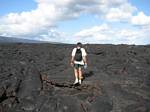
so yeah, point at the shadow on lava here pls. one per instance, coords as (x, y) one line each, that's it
(87, 74)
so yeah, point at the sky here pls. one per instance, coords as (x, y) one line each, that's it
(72, 21)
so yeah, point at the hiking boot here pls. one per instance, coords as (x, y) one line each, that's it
(80, 81)
(76, 81)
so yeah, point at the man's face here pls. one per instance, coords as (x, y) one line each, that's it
(78, 47)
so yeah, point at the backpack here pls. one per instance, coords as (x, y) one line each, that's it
(78, 55)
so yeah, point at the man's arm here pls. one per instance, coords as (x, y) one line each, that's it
(85, 59)
(84, 56)
(72, 60)
(72, 57)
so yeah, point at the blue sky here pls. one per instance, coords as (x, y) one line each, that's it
(142, 5)
(8, 6)
(70, 21)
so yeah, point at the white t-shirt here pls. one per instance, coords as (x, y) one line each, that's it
(83, 54)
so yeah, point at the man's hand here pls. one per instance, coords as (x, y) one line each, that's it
(85, 65)
(72, 61)
(72, 64)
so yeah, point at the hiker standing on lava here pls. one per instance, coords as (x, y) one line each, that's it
(78, 60)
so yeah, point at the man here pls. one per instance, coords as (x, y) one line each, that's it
(78, 60)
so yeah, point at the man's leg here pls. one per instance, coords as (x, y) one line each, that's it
(76, 75)
(80, 75)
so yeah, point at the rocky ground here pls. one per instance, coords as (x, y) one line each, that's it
(38, 78)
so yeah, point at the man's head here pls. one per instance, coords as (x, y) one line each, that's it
(79, 45)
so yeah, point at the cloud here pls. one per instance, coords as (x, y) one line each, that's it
(122, 13)
(96, 32)
(52, 35)
(140, 19)
(48, 13)
(107, 34)
(27, 23)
